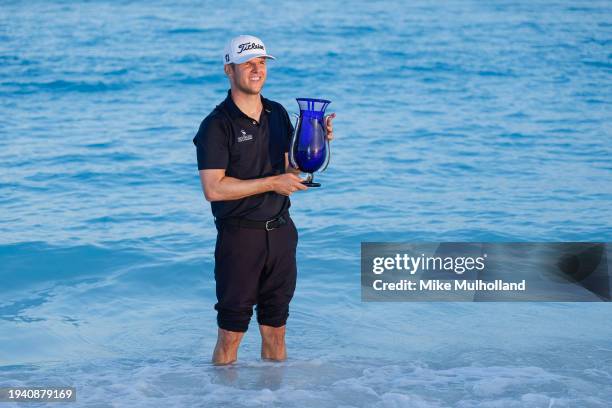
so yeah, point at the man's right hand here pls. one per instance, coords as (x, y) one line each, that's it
(288, 183)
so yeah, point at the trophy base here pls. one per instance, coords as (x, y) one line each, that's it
(311, 184)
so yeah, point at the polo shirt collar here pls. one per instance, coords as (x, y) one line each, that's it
(235, 111)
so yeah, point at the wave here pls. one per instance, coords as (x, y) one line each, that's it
(29, 264)
(64, 86)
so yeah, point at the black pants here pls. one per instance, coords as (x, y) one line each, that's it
(254, 267)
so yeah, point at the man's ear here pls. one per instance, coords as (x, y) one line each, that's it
(229, 69)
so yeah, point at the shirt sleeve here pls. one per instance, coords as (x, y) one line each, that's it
(211, 143)
(290, 130)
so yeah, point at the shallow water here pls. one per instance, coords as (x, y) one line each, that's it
(460, 121)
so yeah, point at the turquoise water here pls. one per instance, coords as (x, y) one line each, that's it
(457, 121)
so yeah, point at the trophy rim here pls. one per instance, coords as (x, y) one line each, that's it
(313, 100)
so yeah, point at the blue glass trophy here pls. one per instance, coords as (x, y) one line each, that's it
(310, 150)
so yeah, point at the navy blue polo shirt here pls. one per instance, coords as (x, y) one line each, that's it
(246, 149)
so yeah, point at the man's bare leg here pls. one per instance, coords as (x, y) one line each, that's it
(273, 343)
(226, 350)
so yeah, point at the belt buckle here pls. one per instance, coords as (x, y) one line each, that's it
(269, 221)
(280, 220)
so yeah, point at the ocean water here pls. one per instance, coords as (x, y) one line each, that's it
(456, 121)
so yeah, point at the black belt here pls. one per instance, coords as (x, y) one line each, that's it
(268, 225)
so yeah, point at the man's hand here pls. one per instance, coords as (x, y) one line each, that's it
(288, 183)
(289, 168)
(329, 129)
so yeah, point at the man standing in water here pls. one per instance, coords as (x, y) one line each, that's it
(242, 151)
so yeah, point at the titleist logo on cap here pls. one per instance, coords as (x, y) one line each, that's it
(249, 46)
(244, 48)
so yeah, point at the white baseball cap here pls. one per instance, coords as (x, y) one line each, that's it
(243, 48)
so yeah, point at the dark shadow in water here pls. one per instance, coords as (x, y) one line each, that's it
(271, 376)
(266, 376)
(13, 312)
(226, 375)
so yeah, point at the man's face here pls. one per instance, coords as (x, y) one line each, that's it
(248, 77)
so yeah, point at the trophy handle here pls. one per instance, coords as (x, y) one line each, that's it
(328, 155)
(293, 141)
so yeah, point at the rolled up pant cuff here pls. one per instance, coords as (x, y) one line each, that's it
(235, 326)
(232, 320)
(277, 318)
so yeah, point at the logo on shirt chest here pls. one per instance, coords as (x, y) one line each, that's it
(244, 136)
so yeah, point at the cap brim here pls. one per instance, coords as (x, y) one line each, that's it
(250, 57)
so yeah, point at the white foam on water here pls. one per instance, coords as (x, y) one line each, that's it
(318, 382)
